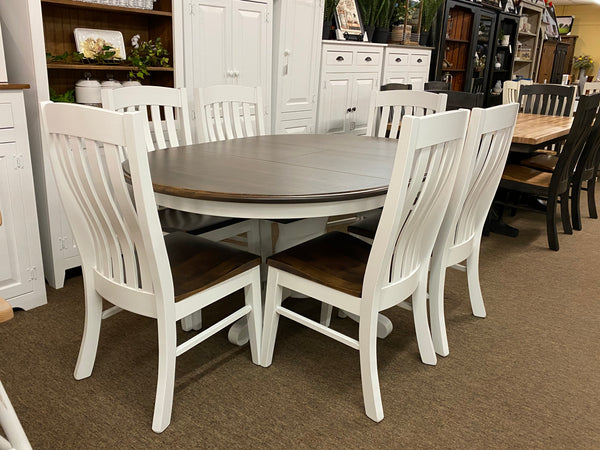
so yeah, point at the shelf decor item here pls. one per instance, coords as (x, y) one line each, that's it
(146, 54)
(565, 24)
(408, 16)
(348, 24)
(102, 45)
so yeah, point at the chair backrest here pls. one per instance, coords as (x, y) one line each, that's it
(591, 87)
(120, 240)
(580, 130)
(462, 100)
(396, 87)
(439, 85)
(547, 99)
(510, 90)
(229, 112)
(387, 109)
(165, 104)
(587, 165)
(424, 171)
(489, 136)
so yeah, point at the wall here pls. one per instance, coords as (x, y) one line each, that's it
(586, 25)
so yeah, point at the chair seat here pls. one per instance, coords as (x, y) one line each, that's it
(527, 175)
(365, 227)
(542, 161)
(336, 260)
(172, 220)
(198, 264)
(6, 311)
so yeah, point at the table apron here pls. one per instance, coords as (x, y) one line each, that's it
(247, 210)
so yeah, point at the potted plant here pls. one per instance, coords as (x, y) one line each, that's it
(328, 17)
(383, 16)
(429, 10)
(146, 54)
(368, 14)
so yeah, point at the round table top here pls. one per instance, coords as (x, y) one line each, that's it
(295, 168)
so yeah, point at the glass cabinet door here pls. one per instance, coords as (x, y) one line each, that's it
(483, 43)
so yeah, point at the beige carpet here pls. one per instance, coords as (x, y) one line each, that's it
(527, 376)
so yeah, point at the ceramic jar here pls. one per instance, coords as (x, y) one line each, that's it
(87, 91)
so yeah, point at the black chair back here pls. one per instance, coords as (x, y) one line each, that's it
(396, 87)
(439, 85)
(460, 99)
(547, 99)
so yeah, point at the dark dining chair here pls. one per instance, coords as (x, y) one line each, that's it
(547, 99)
(396, 87)
(553, 186)
(437, 85)
(459, 99)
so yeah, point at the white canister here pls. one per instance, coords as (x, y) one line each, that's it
(87, 91)
(131, 83)
(110, 84)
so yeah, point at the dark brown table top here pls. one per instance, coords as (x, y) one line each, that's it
(276, 169)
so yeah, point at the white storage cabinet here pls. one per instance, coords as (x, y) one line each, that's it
(21, 271)
(407, 65)
(349, 74)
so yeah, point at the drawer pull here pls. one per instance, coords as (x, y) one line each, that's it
(368, 59)
(398, 59)
(339, 58)
(419, 60)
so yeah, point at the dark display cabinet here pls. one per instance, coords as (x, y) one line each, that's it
(504, 54)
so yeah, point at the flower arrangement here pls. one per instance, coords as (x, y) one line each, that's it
(583, 62)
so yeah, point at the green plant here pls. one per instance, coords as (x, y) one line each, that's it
(147, 54)
(67, 97)
(368, 12)
(429, 10)
(329, 10)
(384, 13)
(583, 62)
(66, 57)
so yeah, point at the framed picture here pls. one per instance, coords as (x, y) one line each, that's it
(508, 6)
(92, 43)
(565, 24)
(347, 21)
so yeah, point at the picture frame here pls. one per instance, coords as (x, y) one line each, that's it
(90, 42)
(348, 23)
(509, 6)
(565, 24)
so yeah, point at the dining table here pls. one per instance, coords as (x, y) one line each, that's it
(295, 176)
(535, 131)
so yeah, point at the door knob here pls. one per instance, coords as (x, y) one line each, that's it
(354, 109)
(349, 110)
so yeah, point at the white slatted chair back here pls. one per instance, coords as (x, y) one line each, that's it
(387, 108)
(591, 87)
(169, 122)
(488, 142)
(510, 90)
(120, 241)
(229, 112)
(424, 172)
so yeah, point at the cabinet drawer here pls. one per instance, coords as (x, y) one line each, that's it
(367, 59)
(419, 60)
(7, 135)
(397, 59)
(6, 116)
(338, 58)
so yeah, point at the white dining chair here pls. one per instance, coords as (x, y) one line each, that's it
(510, 90)
(9, 421)
(488, 140)
(169, 126)
(591, 87)
(348, 273)
(387, 108)
(125, 258)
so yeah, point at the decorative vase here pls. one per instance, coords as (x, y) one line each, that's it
(424, 38)
(326, 29)
(381, 35)
(370, 30)
(582, 80)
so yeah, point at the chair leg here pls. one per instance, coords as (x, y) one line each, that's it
(167, 345)
(273, 299)
(591, 198)
(254, 318)
(564, 214)
(192, 322)
(576, 204)
(367, 348)
(11, 425)
(253, 238)
(437, 279)
(419, 308)
(326, 310)
(477, 305)
(91, 331)
(551, 223)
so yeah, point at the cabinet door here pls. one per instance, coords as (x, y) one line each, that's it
(297, 77)
(417, 80)
(334, 103)
(363, 86)
(15, 278)
(209, 38)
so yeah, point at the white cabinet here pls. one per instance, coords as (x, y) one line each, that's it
(349, 74)
(407, 66)
(297, 29)
(21, 272)
(228, 42)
